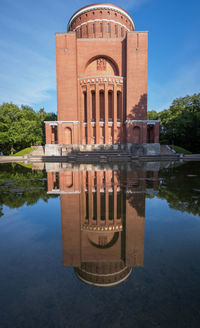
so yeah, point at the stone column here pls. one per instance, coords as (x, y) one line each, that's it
(97, 114)
(48, 133)
(88, 115)
(82, 128)
(98, 197)
(90, 195)
(115, 114)
(107, 197)
(144, 132)
(83, 197)
(106, 114)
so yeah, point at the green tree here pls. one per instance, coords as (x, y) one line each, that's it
(21, 127)
(20, 185)
(181, 187)
(152, 115)
(181, 123)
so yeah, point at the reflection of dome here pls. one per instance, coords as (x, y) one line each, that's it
(103, 274)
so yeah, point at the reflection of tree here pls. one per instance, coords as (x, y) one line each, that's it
(20, 185)
(181, 187)
(1, 210)
(137, 201)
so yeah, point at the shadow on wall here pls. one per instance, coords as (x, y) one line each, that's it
(139, 111)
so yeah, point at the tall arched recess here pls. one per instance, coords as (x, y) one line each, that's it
(101, 65)
(136, 134)
(68, 136)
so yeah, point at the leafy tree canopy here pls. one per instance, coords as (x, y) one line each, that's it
(21, 127)
(180, 124)
(20, 185)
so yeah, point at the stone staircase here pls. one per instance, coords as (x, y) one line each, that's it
(38, 151)
(166, 150)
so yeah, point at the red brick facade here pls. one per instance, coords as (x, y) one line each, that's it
(101, 65)
(103, 221)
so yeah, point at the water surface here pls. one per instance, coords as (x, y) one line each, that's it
(99, 246)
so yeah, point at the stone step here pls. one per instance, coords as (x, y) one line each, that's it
(166, 150)
(39, 151)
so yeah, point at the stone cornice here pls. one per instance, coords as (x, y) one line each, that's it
(59, 122)
(142, 121)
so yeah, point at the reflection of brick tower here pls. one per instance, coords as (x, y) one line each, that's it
(103, 217)
(101, 65)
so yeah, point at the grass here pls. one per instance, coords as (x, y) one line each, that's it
(28, 166)
(23, 152)
(180, 150)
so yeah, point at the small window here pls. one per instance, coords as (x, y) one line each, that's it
(101, 27)
(86, 29)
(93, 28)
(108, 28)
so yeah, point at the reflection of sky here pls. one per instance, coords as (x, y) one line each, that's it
(39, 292)
(158, 210)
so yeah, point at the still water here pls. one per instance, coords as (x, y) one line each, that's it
(100, 246)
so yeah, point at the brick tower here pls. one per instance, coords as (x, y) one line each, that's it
(101, 65)
(103, 221)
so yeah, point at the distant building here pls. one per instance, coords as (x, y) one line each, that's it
(101, 65)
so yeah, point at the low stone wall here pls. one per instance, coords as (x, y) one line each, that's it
(134, 149)
(7, 159)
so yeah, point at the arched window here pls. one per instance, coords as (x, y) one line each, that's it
(103, 205)
(111, 206)
(150, 133)
(136, 134)
(95, 206)
(102, 105)
(85, 106)
(68, 136)
(110, 106)
(93, 106)
(69, 179)
(119, 106)
(119, 207)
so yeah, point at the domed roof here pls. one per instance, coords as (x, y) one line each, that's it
(95, 6)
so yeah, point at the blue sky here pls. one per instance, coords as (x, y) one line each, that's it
(27, 48)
